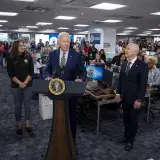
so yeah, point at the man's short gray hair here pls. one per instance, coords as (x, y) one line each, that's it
(62, 34)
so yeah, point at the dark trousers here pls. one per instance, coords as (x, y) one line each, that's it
(22, 96)
(130, 120)
(72, 115)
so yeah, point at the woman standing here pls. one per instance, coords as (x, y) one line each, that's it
(20, 70)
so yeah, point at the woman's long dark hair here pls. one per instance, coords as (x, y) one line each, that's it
(14, 49)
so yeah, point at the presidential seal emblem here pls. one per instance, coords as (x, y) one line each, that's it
(56, 86)
(91, 72)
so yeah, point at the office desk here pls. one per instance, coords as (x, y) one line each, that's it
(110, 101)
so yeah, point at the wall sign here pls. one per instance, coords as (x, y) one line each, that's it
(95, 38)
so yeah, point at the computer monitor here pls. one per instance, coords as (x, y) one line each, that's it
(107, 77)
(152, 53)
(95, 72)
(102, 65)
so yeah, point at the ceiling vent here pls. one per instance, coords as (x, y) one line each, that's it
(36, 9)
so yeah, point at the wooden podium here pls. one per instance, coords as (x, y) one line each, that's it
(61, 145)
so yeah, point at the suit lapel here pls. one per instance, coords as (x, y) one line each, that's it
(69, 58)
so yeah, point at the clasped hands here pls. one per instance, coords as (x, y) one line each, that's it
(136, 105)
(23, 85)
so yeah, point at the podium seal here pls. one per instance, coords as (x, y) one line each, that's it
(56, 86)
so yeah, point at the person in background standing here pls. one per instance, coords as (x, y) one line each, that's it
(1, 53)
(20, 70)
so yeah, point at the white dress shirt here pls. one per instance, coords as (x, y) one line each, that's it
(61, 54)
(132, 62)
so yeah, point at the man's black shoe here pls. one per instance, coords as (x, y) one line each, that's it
(122, 140)
(128, 147)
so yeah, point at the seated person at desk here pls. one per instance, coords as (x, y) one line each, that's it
(37, 67)
(154, 72)
(98, 60)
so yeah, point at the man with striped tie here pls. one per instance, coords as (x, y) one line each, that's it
(131, 91)
(66, 64)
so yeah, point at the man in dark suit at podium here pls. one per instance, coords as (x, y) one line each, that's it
(66, 64)
(131, 91)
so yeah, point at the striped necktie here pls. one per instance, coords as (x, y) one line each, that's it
(63, 61)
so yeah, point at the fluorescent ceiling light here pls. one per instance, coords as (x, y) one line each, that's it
(107, 6)
(32, 26)
(156, 13)
(131, 28)
(77, 29)
(122, 34)
(0, 25)
(3, 21)
(156, 35)
(8, 14)
(128, 31)
(48, 31)
(65, 17)
(81, 25)
(155, 29)
(43, 23)
(24, 0)
(112, 21)
(23, 29)
(142, 35)
(62, 28)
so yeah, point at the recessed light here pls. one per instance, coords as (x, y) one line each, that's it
(142, 35)
(62, 28)
(156, 35)
(8, 14)
(24, 0)
(1, 25)
(122, 34)
(65, 17)
(155, 29)
(3, 21)
(112, 21)
(43, 23)
(32, 26)
(156, 13)
(48, 31)
(81, 25)
(77, 29)
(107, 6)
(131, 28)
(128, 31)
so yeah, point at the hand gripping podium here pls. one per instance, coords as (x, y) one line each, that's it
(61, 145)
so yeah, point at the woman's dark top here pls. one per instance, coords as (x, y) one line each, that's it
(20, 67)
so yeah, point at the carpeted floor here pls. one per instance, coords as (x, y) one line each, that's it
(90, 147)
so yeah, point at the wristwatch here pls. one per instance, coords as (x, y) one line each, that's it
(139, 100)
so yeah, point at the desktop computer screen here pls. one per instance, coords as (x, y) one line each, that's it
(95, 72)
(152, 53)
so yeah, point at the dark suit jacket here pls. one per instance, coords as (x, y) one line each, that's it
(133, 87)
(74, 67)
